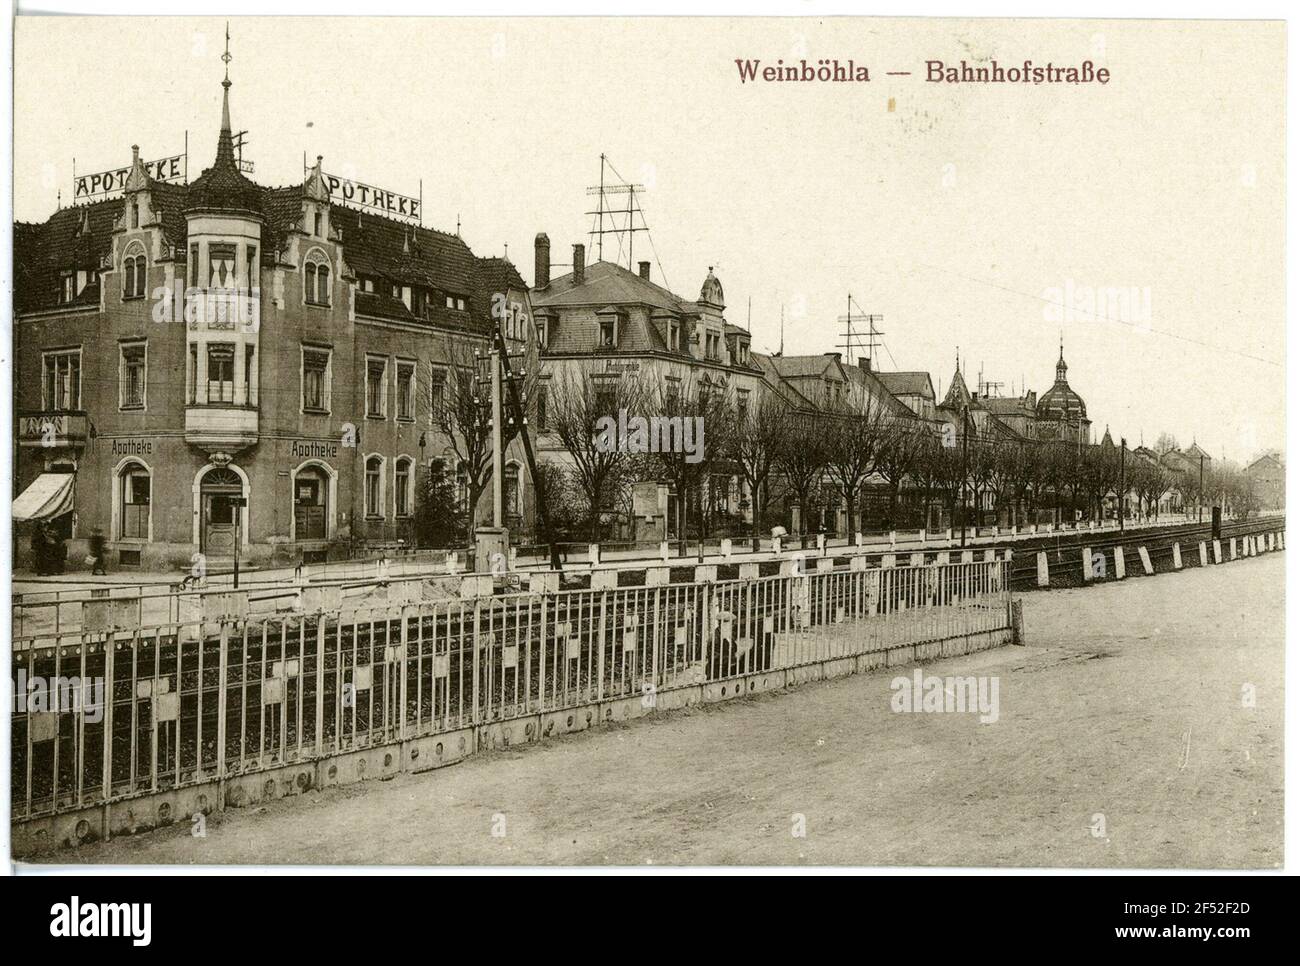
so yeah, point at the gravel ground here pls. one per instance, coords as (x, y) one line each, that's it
(1126, 708)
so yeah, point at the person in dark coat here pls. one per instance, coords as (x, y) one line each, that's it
(40, 550)
(97, 549)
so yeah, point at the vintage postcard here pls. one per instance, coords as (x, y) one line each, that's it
(632, 442)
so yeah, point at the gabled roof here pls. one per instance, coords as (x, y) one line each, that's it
(605, 283)
(906, 383)
(801, 367)
(772, 376)
(1008, 406)
(1266, 458)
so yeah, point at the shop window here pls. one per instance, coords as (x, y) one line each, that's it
(136, 499)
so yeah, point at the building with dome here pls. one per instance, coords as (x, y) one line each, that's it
(1061, 412)
(222, 365)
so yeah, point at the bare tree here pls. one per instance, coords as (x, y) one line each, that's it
(578, 413)
(899, 456)
(462, 416)
(858, 436)
(704, 416)
(755, 443)
(802, 457)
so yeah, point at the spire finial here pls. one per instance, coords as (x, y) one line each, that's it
(226, 58)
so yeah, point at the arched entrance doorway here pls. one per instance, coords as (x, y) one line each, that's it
(217, 517)
(311, 503)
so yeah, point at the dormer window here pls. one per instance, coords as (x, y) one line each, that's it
(135, 214)
(542, 327)
(674, 337)
(319, 225)
(608, 333)
(66, 291)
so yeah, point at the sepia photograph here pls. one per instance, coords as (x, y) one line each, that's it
(611, 442)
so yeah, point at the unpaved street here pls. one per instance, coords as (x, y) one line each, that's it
(1125, 709)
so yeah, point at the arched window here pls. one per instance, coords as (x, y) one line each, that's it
(133, 273)
(136, 495)
(375, 486)
(316, 280)
(402, 487)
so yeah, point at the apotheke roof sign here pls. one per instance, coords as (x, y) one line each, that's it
(361, 195)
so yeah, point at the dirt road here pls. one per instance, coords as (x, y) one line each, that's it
(1121, 740)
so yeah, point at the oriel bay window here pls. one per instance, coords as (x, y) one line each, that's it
(61, 389)
(221, 372)
(221, 266)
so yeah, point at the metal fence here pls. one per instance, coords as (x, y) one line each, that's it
(114, 714)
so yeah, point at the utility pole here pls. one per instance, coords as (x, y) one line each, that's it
(1123, 487)
(1200, 497)
(965, 476)
(498, 456)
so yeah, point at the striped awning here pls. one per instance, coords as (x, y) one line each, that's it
(48, 496)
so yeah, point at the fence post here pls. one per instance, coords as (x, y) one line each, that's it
(320, 684)
(222, 682)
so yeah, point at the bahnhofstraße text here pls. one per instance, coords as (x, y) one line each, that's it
(833, 70)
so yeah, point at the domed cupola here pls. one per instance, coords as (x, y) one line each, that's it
(223, 186)
(711, 291)
(1061, 402)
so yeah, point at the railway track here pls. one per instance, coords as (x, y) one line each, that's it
(1065, 564)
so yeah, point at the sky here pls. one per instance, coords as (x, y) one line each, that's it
(986, 219)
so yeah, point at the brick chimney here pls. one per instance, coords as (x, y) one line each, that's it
(579, 264)
(541, 260)
(865, 363)
(645, 270)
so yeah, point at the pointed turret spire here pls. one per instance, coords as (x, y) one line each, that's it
(225, 144)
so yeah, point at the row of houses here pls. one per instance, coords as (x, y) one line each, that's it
(222, 367)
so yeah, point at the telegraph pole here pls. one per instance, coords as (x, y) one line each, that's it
(498, 456)
(1200, 496)
(1123, 488)
(965, 418)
